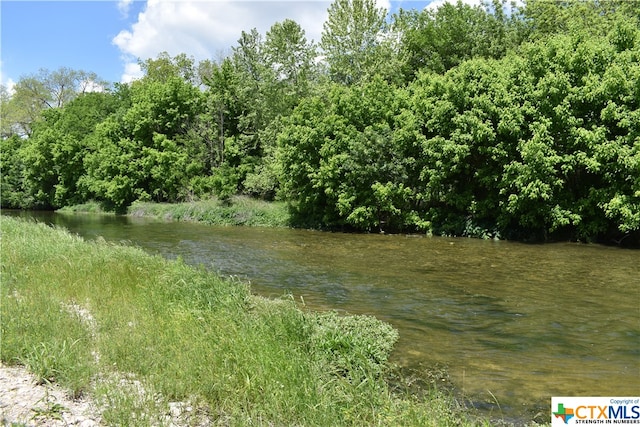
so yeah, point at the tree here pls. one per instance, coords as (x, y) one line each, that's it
(164, 67)
(352, 40)
(290, 59)
(7, 123)
(442, 39)
(291, 71)
(545, 18)
(146, 150)
(221, 107)
(469, 120)
(247, 95)
(38, 92)
(12, 186)
(24, 107)
(54, 154)
(345, 162)
(586, 93)
(540, 143)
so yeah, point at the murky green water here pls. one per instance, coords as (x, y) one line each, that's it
(513, 324)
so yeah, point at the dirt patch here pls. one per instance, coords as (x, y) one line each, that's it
(24, 402)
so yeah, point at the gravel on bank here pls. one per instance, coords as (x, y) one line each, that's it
(23, 402)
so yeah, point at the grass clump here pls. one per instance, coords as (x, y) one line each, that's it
(143, 335)
(239, 210)
(88, 207)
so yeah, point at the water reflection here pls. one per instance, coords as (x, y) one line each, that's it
(511, 322)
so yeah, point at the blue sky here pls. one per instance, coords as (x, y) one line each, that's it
(51, 34)
(107, 37)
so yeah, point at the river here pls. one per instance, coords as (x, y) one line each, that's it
(510, 324)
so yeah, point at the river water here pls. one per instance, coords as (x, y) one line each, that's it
(511, 324)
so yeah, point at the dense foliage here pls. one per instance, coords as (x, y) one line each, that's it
(491, 121)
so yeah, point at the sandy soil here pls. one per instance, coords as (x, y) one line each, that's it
(23, 402)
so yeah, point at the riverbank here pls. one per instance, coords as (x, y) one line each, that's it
(239, 210)
(247, 211)
(141, 336)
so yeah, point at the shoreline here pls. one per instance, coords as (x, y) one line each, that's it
(247, 211)
(300, 345)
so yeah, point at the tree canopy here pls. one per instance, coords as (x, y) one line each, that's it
(487, 121)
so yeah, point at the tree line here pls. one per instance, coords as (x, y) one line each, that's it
(488, 121)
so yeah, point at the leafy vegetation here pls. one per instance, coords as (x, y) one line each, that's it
(139, 334)
(238, 210)
(493, 121)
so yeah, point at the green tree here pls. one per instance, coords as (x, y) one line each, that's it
(146, 151)
(583, 140)
(469, 121)
(164, 67)
(541, 143)
(345, 162)
(353, 40)
(12, 187)
(545, 18)
(54, 154)
(248, 94)
(290, 59)
(47, 89)
(442, 39)
(222, 107)
(8, 125)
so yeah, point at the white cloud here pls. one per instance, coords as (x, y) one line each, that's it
(132, 71)
(10, 85)
(6, 81)
(203, 29)
(384, 4)
(123, 7)
(87, 86)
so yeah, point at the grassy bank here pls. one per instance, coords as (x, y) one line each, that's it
(137, 332)
(89, 207)
(239, 210)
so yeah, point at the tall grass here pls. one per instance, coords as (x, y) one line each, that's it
(137, 332)
(239, 210)
(87, 207)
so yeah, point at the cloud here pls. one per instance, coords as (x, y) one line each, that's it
(123, 7)
(132, 71)
(6, 81)
(87, 86)
(10, 85)
(204, 29)
(384, 4)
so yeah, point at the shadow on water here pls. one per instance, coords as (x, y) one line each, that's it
(509, 324)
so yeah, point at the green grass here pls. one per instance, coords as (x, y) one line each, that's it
(240, 210)
(88, 207)
(136, 332)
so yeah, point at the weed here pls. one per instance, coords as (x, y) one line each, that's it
(51, 410)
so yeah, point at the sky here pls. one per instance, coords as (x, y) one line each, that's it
(108, 37)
